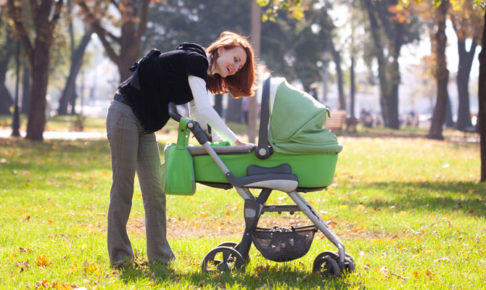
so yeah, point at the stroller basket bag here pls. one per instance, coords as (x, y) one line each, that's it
(178, 169)
(281, 244)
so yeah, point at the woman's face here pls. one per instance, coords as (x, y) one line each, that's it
(229, 61)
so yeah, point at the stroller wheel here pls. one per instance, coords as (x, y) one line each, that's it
(222, 259)
(227, 244)
(234, 246)
(335, 256)
(326, 265)
(348, 265)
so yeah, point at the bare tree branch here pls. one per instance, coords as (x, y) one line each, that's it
(56, 15)
(100, 32)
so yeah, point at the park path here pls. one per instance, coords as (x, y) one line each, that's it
(96, 135)
(60, 135)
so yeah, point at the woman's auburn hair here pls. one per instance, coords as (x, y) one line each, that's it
(243, 82)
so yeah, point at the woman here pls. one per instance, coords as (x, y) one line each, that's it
(181, 76)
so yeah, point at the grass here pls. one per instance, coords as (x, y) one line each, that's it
(409, 210)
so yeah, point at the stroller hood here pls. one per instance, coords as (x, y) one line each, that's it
(297, 123)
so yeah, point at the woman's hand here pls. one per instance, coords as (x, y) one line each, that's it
(239, 143)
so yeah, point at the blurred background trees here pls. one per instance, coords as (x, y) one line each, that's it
(348, 54)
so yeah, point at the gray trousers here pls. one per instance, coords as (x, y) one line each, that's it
(133, 150)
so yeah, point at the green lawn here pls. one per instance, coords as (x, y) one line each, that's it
(409, 210)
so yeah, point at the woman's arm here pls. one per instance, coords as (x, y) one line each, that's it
(202, 110)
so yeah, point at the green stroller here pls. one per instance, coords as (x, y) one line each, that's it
(294, 154)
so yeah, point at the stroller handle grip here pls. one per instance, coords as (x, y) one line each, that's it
(173, 112)
(194, 126)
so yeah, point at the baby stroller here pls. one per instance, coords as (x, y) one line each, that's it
(301, 157)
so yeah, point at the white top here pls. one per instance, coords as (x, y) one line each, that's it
(202, 111)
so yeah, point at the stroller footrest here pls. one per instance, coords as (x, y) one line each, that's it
(282, 182)
(281, 208)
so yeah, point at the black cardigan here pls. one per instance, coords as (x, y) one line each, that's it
(163, 79)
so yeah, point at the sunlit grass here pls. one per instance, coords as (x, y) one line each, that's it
(409, 210)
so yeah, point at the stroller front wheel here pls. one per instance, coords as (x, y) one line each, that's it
(326, 265)
(222, 259)
(227, 244)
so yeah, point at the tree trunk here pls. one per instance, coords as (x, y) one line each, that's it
(5, 97)
(336, 56)
(69, 91)
(352, 90)
(38, 92)
(482, 102)
(388, 71)
(393, 120)
(255, 38)
(6, 100)
(25, 87)
(218, 104)
(449, 120)
(442, 73)
(233, 112)
(466, 59)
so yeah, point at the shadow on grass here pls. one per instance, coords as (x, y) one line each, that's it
(467, 197)
(267, 276)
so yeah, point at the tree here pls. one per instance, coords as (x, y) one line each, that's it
(439, 43)
(69, 92)
(195, 21)
(391, 26)
(467, 22)
(45, 15)
(6, 54)
(123, 49)
(482, 99)
(336, 56)
(256, 29)
(26, 74)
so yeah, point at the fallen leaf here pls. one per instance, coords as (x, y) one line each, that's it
(331, 223)
(42, 261)
(428, 273)
(442, 259)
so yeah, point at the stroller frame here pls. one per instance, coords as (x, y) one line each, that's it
(230, 256)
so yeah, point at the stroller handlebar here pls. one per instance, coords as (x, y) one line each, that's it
(194, 126)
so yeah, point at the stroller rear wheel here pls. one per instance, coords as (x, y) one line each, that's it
(222, 259)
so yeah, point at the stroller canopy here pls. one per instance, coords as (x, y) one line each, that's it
(297, 122)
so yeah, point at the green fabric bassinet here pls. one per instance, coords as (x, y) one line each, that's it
(296, 134)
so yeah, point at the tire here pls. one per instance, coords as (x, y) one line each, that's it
(227, 244)
(222, 259)
(326, 265)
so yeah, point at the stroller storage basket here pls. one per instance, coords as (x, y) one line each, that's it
(282, 244)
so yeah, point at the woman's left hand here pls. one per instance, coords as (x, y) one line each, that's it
(239, 143)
